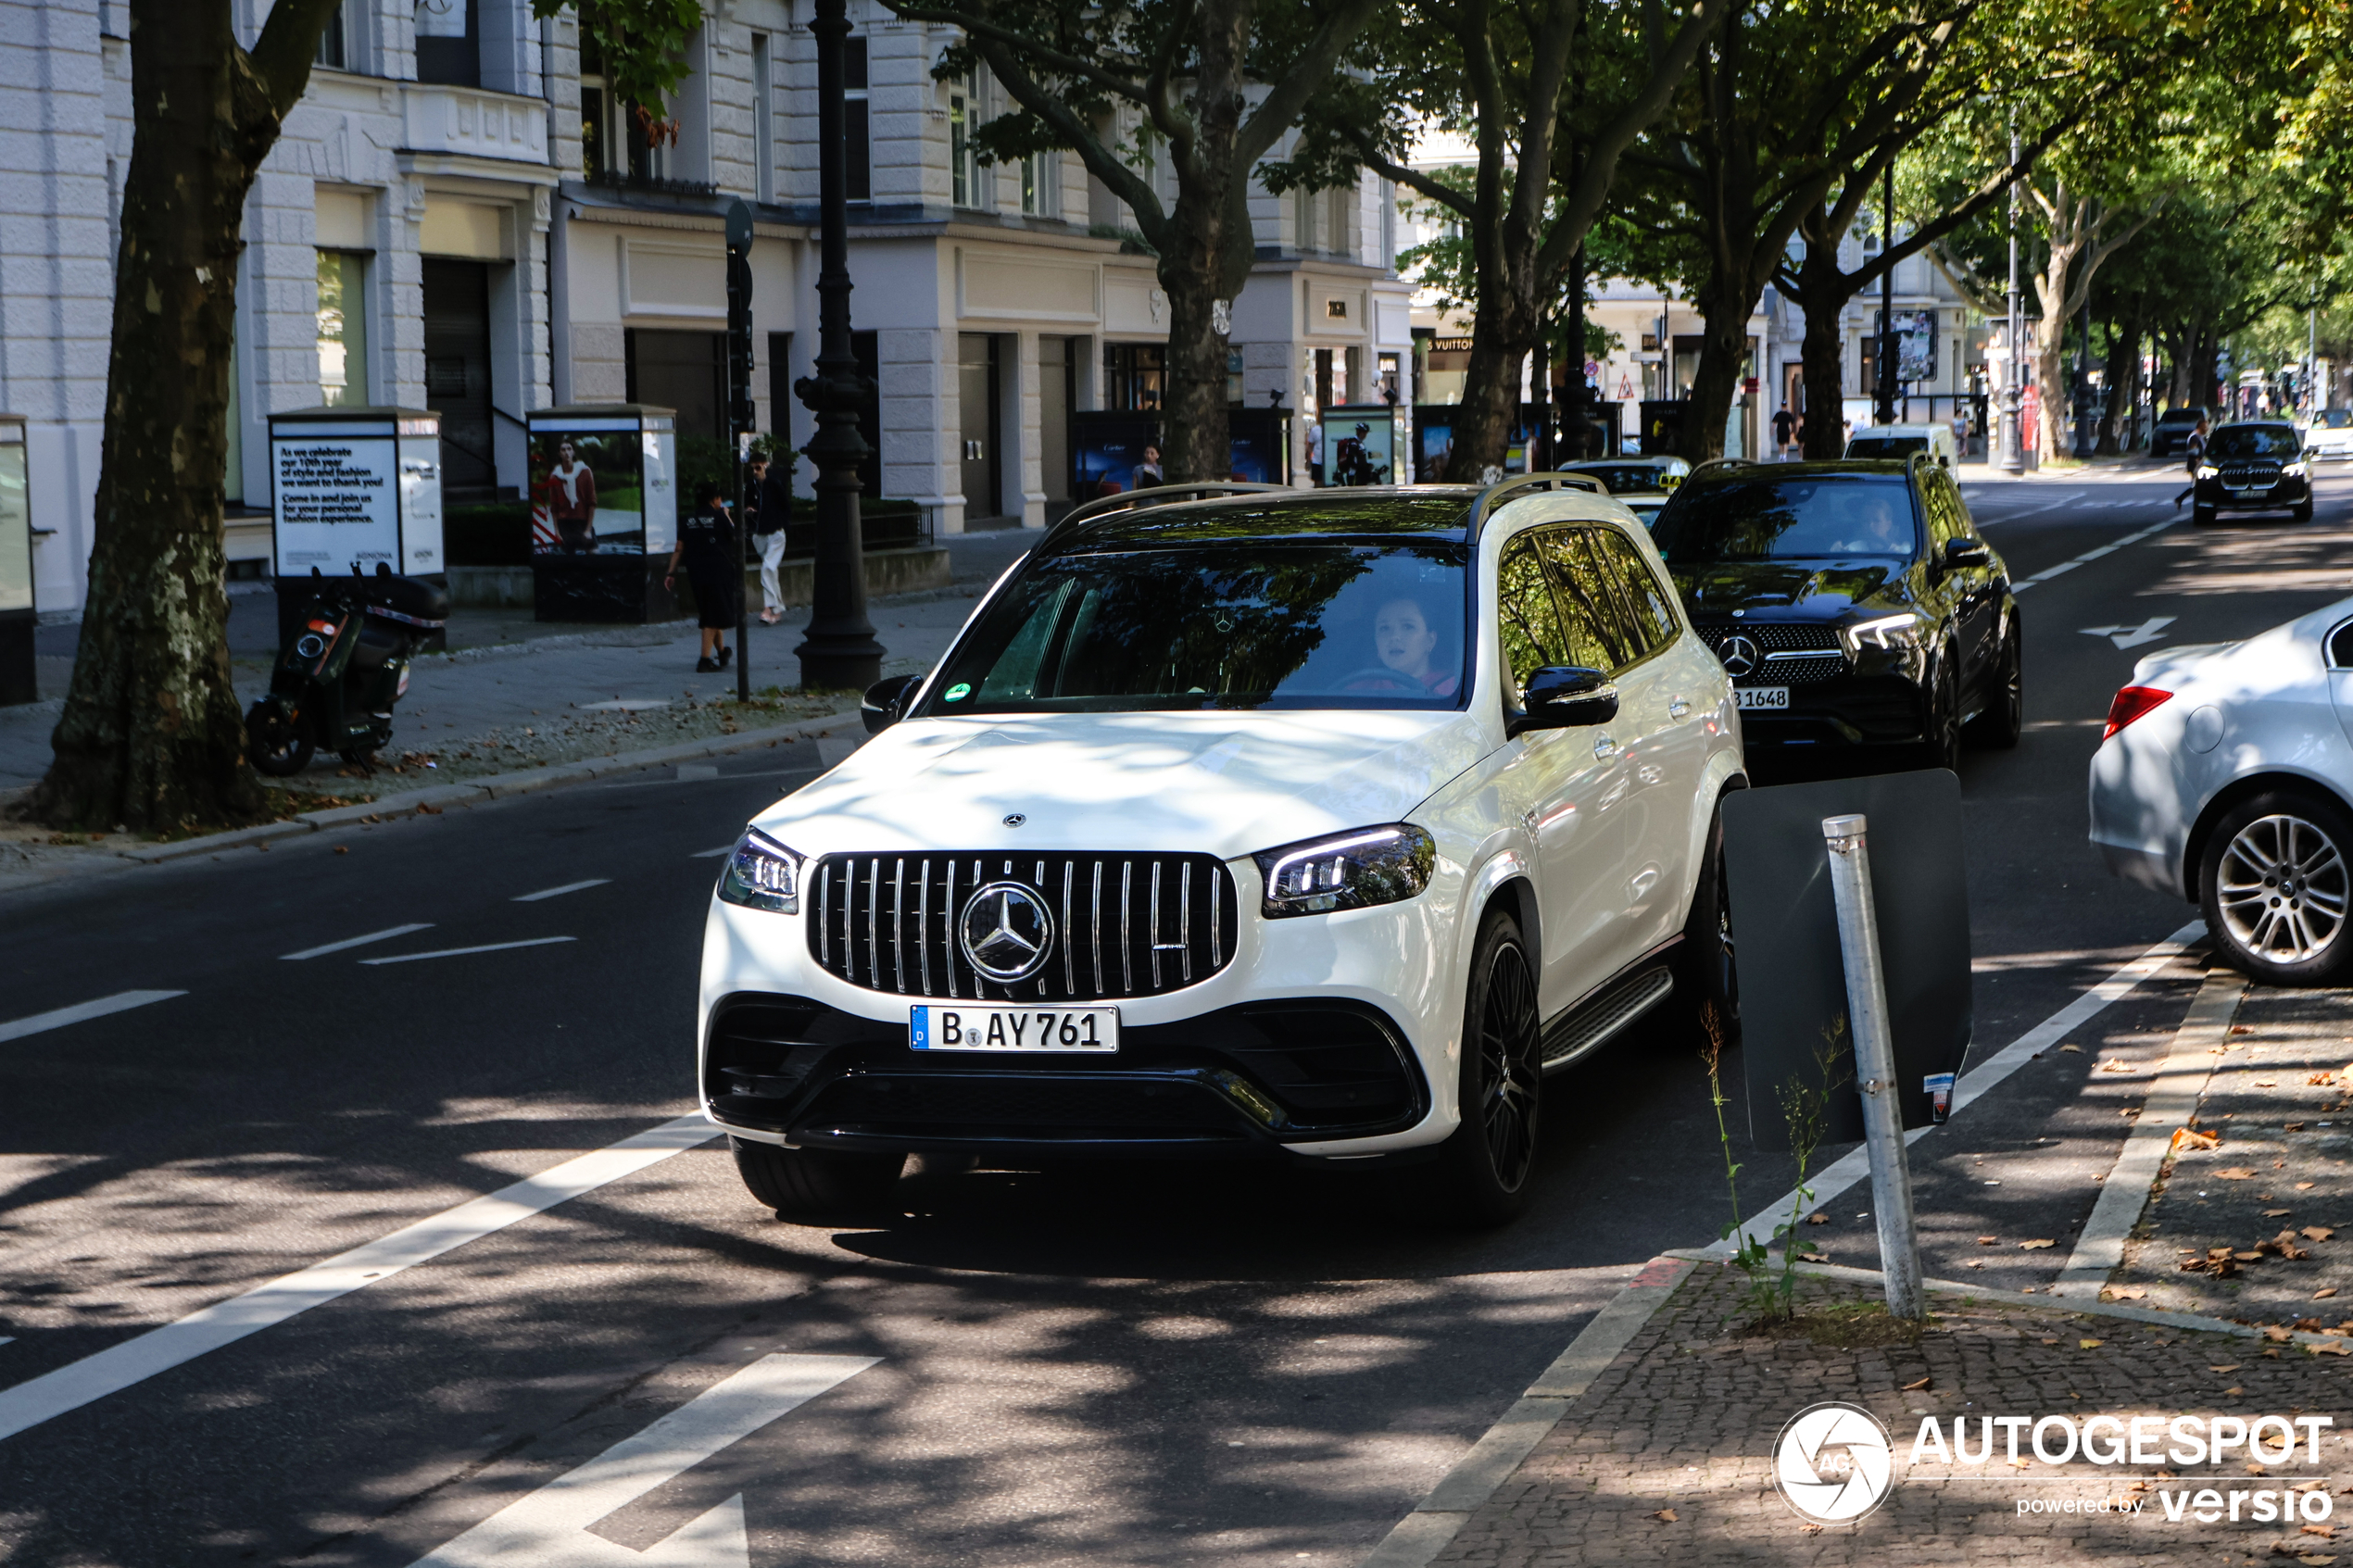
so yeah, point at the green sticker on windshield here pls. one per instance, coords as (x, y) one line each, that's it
(958, 692)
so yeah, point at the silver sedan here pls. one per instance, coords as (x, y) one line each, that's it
(2225, 777)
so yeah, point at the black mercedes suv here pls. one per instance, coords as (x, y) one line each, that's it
(2253, 465)
(1858, 612)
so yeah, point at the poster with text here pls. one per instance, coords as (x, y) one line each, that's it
(337, 502)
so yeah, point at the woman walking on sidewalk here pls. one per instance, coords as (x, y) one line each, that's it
(772, 502)
(713, 556)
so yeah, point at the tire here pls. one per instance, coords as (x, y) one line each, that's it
(1942, 747)
(2304, 513)
(1486, 1169)
(1999, 726)
(809, 1184)
(2276, 884)
(1708, 981)
(2201, 516)
(272, 744)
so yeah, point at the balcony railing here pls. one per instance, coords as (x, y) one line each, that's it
(474, 123)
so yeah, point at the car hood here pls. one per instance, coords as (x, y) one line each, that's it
(1791, 590)
(1225, 784)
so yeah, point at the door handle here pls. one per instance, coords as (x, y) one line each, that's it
(1677, 708)
(1605, 746)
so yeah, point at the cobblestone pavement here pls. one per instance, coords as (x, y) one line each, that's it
(2266, 1212)
(1666, 1459)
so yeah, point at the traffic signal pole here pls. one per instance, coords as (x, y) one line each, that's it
(741, 422)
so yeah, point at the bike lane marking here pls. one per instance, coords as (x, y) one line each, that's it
(559, 892)
(122, 1001)
(349, 942)
(461, 952)
(2091, 555)
(110, 1371)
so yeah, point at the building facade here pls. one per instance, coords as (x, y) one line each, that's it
(459, 217)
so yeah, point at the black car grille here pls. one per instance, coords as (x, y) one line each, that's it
(1793, 654)
(1124, 925)
(2251, 476)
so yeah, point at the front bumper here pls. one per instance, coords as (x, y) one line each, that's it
(1846, 711)
(2292, 491)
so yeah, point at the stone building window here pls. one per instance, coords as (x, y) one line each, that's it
(342, 328)
(964, 164)
(858, 168)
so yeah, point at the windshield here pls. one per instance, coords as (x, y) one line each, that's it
(2337, 418)
(1631, 476)
(1886, 445)
(2253, 441)
(1826, 515)
(1220, 624)
(2180, 416)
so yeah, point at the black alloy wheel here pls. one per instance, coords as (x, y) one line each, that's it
(1487, 1166)
(2202, 517)
(273, 745)
(1707, 986)
(2004, 720)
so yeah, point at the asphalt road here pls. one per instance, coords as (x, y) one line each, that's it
(1147, 1366)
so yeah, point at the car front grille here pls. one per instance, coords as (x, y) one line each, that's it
(1123, 924)
(1793, 654)
(2251, 476)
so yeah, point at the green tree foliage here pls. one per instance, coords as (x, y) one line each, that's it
(644, 47)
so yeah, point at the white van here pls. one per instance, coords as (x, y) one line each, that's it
(1902, 441)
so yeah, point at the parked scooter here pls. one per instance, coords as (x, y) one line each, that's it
(340, 674)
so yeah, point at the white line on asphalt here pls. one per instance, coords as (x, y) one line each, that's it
(559, 892)
(2172, 1099)
(711, 854)
(2108, 549)
(550, 1527)
(384, 936)
(122, 1001)
(7, 1338)
(112, 1369)
(2072, 495)
(1855, 1165)
(461, 952)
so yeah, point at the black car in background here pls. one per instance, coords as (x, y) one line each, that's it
(2253, 465)
(1860, 614)
(2170, 434)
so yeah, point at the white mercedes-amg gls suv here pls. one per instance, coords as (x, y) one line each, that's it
(1278, 824)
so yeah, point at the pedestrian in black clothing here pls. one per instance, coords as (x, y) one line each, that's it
(2196, 448)
(713, 555)
(772, 497)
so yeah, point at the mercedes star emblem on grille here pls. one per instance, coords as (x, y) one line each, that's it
(1739, 657)
(1015, 819)
(1005, 932)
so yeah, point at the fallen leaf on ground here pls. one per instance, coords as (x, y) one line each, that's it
(2190, 1137)
(2231, 1367)
(2291, 1126)
(1987, 1240)
(2274, 1334)
(1664, 1516)
(2018, 1462)
(2235, 1173)
(2326, 1532)
(2118, 1066)
(2330, 1348)
(2276, 1213)
(1923, 1383)
(1817, 1218)
(2050, 1341)
(2306, 1186)
(2126, 1293)
(2036, 1245)
(2317, 1560)
(2266, 1083)
(2232, 1390)
(2325, 1295)
(2321, 1078)
(2089, 1344)
(2248, 1257)
(1976, 1263)
(1813, 1257)
(2077, 1049)
(2318, 1232)
(2255, 1469)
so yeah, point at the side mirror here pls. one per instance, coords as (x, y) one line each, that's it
(879, 708)
(1967, 552)
(1564, 698)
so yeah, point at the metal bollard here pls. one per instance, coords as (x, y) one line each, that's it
(1899, 1246)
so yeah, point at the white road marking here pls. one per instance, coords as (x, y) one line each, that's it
(697, 773)
(2091, 555)
(559, 892)
(2072, 495)
(1855, 1165)
(122, 1001)
(384, 936)
(7, 1338)
(119, 1367)
(549, 1528)
(2149, 630)
(711, 854)
(624, 705)
(461, 952)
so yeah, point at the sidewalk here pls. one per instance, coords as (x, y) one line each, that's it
(516, 693)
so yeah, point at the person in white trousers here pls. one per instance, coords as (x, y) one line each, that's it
(768, 528)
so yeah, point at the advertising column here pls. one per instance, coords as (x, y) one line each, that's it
(16, 619)
(604, 512)
(353, 491)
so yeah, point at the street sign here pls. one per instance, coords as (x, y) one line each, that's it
(1793, 998)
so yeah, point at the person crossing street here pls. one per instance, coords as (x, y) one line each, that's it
(713, 554)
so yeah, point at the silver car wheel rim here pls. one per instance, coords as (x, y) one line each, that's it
(2283, 889)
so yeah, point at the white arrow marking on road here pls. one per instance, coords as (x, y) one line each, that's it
(461, 952)
(549, 1528)
(160, 1350)
(122, 1001)
(2149, 630)
(349, 942)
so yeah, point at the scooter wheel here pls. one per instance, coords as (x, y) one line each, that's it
(275, 746)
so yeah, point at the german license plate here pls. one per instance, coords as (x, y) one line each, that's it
(981, 1026)
(1768, 697)
(2241, 492)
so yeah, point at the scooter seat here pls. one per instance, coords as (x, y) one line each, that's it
(411, 598)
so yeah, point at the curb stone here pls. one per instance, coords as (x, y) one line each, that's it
(1439, 1517)
(497, 786)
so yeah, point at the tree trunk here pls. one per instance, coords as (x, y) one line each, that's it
(2123, 382)
(1490, 408)
(1196, 439)
(152, 737)
(1823, 351)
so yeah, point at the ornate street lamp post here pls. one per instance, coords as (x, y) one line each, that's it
(839, 650)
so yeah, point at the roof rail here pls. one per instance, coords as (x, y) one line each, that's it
(1158, 494)
(1698, 469)
(1496, 496)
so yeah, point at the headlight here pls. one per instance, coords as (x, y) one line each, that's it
(1886, 632)
(2293, 470)
(1349, 870)
(762, 874)
(2207, 470)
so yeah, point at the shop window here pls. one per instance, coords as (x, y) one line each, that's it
(1135, 376)
(342, 328)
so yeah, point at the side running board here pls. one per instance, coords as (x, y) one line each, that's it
(1586, 1028)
